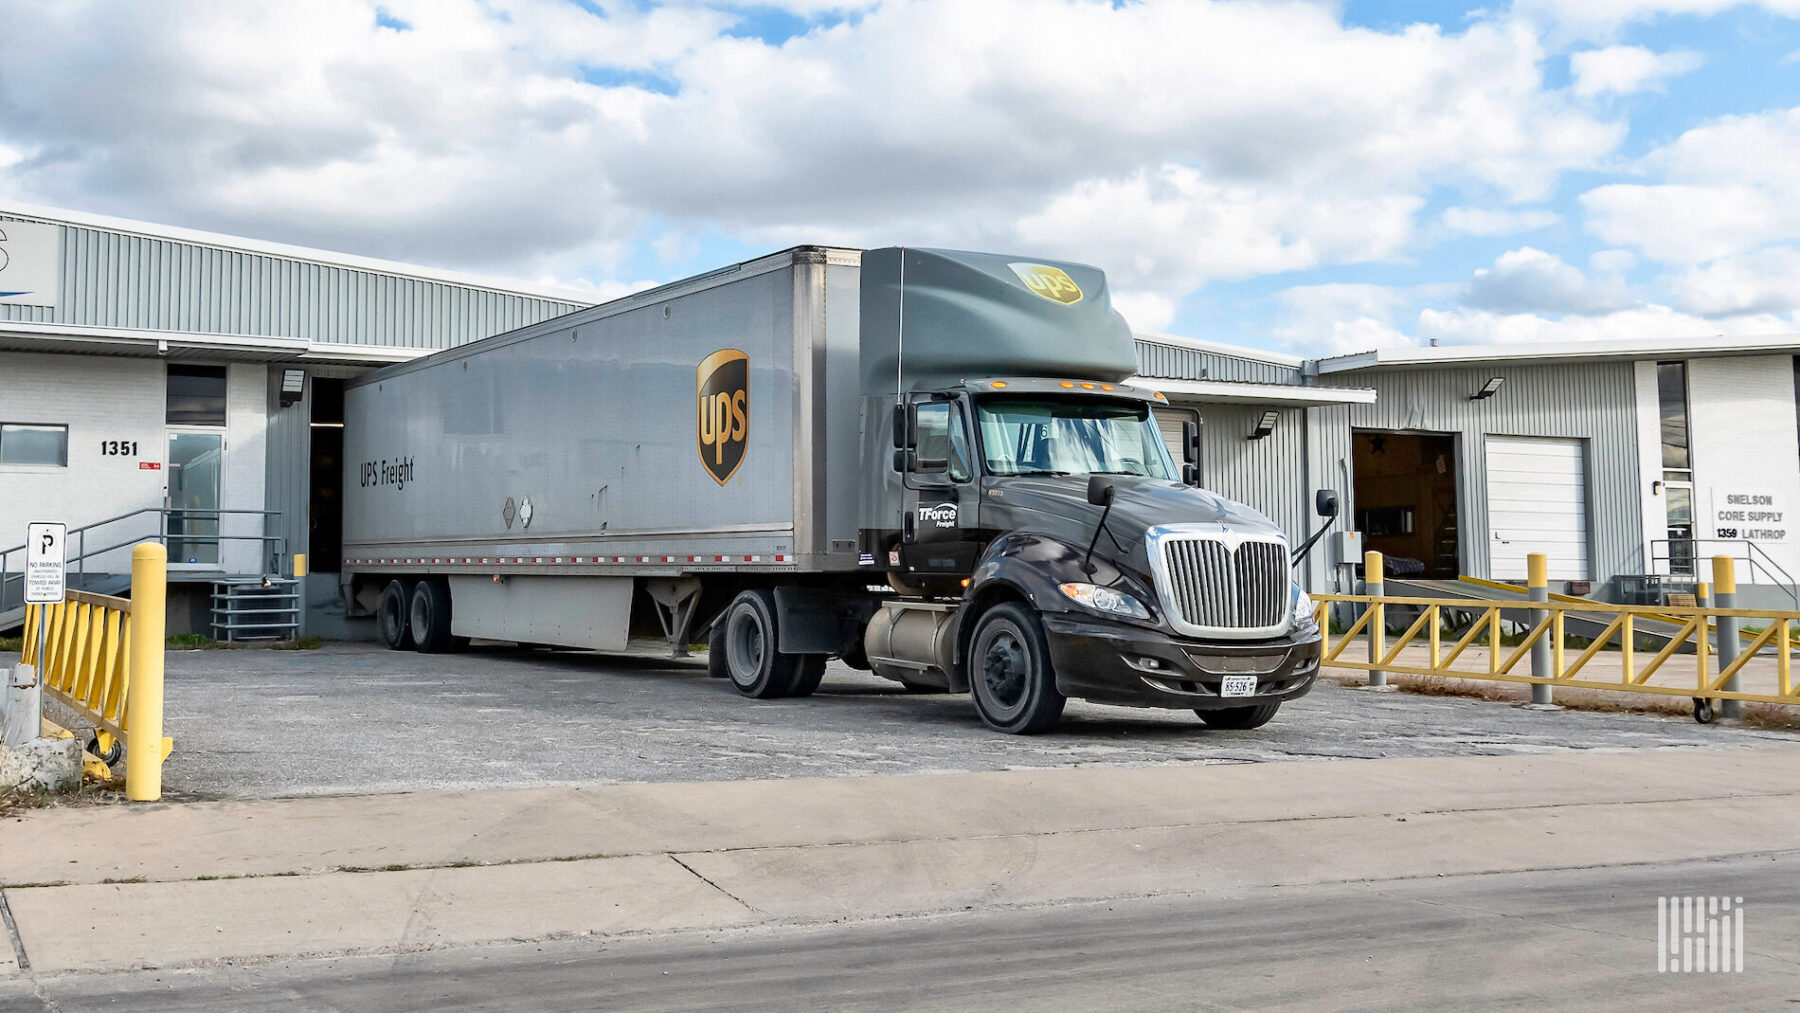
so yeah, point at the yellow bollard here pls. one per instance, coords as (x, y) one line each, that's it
(1724, 596)
(1374, 584)
(1537, 588)
(144, 704)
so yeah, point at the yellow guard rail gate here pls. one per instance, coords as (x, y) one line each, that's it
(104, 660)
(1756, 666)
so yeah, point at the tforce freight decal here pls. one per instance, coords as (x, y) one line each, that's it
(395, 473)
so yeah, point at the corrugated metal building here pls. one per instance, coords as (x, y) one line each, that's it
(146, 368)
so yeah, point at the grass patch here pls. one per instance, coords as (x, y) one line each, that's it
(1762, 716)
(13, 644)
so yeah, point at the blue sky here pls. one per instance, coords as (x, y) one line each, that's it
(1310, 177)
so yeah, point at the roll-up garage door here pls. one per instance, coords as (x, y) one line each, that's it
(1537, 502)
(1168, 422)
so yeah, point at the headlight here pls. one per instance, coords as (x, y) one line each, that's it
(1105, 599)
(1301, 619)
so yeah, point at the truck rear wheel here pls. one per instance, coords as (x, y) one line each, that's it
(1009, 670)
(756, 668)
(393, 620)
(429, 618)
(1240, 718)
(810, 673)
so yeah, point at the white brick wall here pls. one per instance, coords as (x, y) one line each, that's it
(106, 398)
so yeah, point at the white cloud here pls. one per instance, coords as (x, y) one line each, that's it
(1612, 261)
(1487, 222)
(1144, 311)
(1471, 326)
(1765, 281)
(1625, 70)
(1728, 186)
(1171, 141)
(1527, 280)
(1338, 318)
(1603, 19)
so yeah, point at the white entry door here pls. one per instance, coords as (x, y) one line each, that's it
(1537, 502)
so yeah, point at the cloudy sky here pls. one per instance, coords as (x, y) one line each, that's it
(1314, 177)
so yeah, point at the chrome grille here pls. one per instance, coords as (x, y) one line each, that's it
(1211, 586)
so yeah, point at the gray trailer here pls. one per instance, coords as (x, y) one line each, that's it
(922, 462)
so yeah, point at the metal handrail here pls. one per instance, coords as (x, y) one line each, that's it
(1755, 556)
(162, 535)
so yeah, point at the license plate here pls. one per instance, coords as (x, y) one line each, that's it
(1238, 685)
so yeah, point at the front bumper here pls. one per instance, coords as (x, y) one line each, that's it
(1118, 664)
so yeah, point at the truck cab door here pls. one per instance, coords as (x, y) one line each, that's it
(938, 526)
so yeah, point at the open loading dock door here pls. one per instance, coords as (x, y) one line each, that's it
(1406, 501)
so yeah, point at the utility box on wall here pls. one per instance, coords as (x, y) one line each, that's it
(1347, 548)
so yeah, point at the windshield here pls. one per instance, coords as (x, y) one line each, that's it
(1071, 436)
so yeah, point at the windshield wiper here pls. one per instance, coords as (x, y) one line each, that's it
(1015, 474)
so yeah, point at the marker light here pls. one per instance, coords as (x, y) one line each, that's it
(1106, 386)
(1159, 395)
(997, 383)
(1087, 386)
(1066, 383)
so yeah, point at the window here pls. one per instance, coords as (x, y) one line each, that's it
(196, 396)
(24, 443)
(942, 438)
(1678, 465)
(1071, 436)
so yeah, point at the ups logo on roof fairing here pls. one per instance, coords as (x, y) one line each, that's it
(723, 404)
(1052, 283)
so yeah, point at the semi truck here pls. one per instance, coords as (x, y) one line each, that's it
(926, 463)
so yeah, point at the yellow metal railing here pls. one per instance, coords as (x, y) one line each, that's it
(1766, 655)
(103, 659)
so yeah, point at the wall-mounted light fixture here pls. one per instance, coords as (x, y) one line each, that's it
(293, 386)
(1656, 488)
(1487, 389)
(1265, 425)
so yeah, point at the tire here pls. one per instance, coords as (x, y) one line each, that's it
(393, 619)
(1010, 673)
(810, 673)
(1239, 718)
(755, 667)
(429, 618)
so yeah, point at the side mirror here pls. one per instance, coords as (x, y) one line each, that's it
(1190, 443)
(900, 440)
(903, 461)
(1101, 491)
(1190, 475)
(1326, 502)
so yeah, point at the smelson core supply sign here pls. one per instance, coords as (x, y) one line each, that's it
(1759, 517)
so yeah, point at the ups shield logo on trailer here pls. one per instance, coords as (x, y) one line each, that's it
(1052, 283)
(723, 402)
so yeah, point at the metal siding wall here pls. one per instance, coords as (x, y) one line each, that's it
(1176, 362)
(1594, 401)
(288, 460)
(113, 279)
(1266, 474)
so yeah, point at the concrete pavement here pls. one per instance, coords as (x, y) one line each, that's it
(471, 867)
(1576, 939)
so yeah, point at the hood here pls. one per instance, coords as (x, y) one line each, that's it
(1058, 506)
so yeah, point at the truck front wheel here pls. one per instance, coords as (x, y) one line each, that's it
(1240, 718)
(756, 668)
(393, 621)
(1009, 670)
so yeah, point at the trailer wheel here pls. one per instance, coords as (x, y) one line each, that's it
(810, 673)
(1240, 718)
(430, 618)
(1009, 670)
(393, 618)
(756, 668)
(716, 665)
